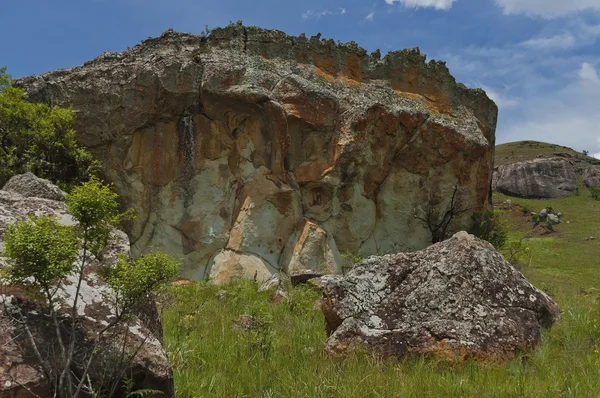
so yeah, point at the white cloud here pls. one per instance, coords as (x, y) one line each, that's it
(437, 4)
(311, 14)
(562, 41)
(588, 72)
(547, 8)
(504, 101)
(370, 16)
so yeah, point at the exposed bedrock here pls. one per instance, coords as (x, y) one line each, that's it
(251, 151)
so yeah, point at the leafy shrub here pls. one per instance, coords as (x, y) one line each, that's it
(535, 218)
(515, 250)
(490, 227)
(595, 192)
(350, 260)
(41, 254)
(39, 138)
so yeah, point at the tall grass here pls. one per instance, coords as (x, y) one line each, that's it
(284, 356)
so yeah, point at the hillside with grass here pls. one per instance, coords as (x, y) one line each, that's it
(521, 151)
(284, 357)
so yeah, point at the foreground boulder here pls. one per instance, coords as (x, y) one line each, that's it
(456, 299)
(19, 373)
(536, 179)
(250, 152)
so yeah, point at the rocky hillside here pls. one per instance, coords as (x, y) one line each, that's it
(538, 170)
(249, 151)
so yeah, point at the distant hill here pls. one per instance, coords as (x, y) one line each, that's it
(519, 151)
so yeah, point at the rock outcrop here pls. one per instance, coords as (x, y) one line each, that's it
(29, 185)
(18, 368)
(455, 300)
(536, 179)
(591, 177)
(249, 151)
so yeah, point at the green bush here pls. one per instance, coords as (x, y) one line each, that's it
(489, 226)
(40, 139)
(595, 192)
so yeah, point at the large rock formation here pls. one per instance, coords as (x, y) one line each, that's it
(249, 151)
(538, 179)
(591, 176)
(456, 299)
(19, 371)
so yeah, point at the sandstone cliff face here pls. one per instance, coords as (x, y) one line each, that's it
(250, 151)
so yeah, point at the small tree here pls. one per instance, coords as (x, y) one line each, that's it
(42, 254)
(489, 226)
(438, 219)
(595, 192)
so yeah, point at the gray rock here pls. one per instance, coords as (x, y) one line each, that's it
(543, 214)
(274, 282)
(553, 218)
(303, 276)
(29, 185)
(591, 177)
(456, 299)
(539, 178)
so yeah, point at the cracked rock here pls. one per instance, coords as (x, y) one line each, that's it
(454, 300)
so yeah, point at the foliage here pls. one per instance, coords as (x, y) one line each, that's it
(514, 251)
(41, 253)
(133, 281)
(39, 138)
(595, 192)
(490, 226)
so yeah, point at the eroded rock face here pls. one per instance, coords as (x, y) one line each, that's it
(276, 149)
(149, 369)
(537, 179)
(456, 299)
(591, 177)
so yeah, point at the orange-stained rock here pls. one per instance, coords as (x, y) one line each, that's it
(254, 143)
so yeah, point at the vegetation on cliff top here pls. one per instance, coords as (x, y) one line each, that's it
(520, 151)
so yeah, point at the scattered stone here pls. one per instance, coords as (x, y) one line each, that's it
(454, 300)
(221, 294)
(543, 214)
(590, 238)
(273, 282)
(29, 185)
(303, 276)
(553, 218)
(317, 284)
(247, 322)
(279, 296)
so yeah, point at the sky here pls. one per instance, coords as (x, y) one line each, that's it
(538, 59)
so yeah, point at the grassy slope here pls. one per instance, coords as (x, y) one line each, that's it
(528, 150)
(285, 358)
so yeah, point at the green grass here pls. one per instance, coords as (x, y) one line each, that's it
(529, 150)
(285, 358)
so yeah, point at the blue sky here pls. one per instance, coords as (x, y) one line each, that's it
(538, 59)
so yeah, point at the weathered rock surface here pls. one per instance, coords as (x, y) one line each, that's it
(537, 179)
(150, 368)
(250, 151)
(29, 185)
(591, 177)
(456, 299)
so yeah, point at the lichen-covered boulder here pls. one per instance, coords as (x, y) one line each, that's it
(456, 299)
(274, 150)
(29, 185)
(19, 371)
(536, 179)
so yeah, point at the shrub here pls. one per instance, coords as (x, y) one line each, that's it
(535, 218)
(490, 227)
(514, 250)
(39, 138)
(41, 255)
(595, 192)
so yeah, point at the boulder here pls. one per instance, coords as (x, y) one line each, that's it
(29, 185)
(536, 179)
(455, 300)
(249, 151)
(591, 177)
(149, 369)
